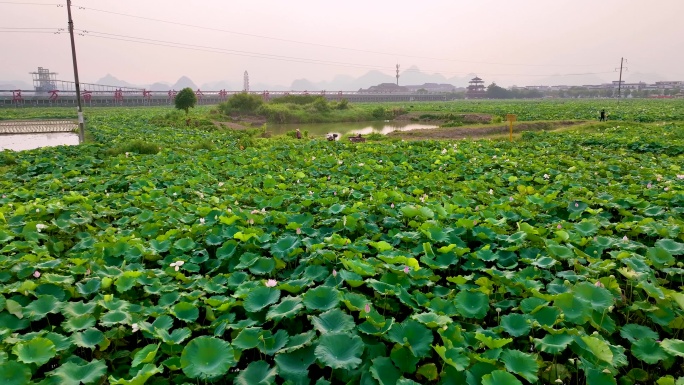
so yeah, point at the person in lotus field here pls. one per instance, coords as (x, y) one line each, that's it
(602, 118)
(299, 134)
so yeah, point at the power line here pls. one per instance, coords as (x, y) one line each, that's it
(318, 44)
(22, 3)
(194, 47)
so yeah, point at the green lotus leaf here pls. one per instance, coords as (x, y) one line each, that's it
(36, 351)
(248, 338)
(259, 298)
(44, 305)
(516, 324)
(673, 346)
(673, 247)
(406, 381)
(472, 304)
(272, 344)
(599, 348)
(284, 246)
(295, 365)
(384, 371)
(14, 373)
(227, 250)
(79, 323)
(432, 320)
(499, 377)
(75, 309)
(321, 298)
(145, 355)
(575, 309)
(597, 297)
(257, 373)
(492, 342)
(144, 374)
(586, 229)
(333, 321)
(61, 342)
(89, 286)
(553, 343)
(288, 307)
(635, 332)
(374, 328)
(340, 351)
(207, 358)
(184, 244)
(599, 377)
(454, 357)
(174, 338)
(404, 359)
(660, 257)
(522, 364)
(299, 341)
(88, 338)
(186, 311)
(413, 335)
(71, 373)
(263, 266)
(11, 322)
(648, 350)
(168, 299)
(115, 317)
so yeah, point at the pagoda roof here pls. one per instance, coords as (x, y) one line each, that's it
(476, 78)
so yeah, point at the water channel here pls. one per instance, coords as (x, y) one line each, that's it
(364, 128)
(21, 142)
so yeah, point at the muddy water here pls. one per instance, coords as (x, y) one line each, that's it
(20, 142)
(364, 128)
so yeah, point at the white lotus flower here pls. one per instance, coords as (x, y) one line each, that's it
(271, 283)
(40, 227)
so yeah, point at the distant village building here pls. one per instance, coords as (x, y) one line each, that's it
(384, 88)
(432, 88)
(476, 89)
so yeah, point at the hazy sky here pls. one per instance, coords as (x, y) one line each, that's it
(511, 42)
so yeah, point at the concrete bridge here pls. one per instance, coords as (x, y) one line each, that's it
(24, 98)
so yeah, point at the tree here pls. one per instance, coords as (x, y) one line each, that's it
(496, 92)
(185, 99)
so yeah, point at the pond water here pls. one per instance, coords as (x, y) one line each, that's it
(20, 142)
(364, 128)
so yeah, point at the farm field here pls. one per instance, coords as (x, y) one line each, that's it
(170, 254)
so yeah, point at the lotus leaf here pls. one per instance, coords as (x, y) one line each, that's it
(340, 350)
(207, 358)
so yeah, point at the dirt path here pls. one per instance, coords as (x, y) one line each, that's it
(477, 132)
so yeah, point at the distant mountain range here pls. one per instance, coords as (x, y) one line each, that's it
(412, 76)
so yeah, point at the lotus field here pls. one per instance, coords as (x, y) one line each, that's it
(555, 259)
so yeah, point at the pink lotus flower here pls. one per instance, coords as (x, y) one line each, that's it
(625, 238)
(271, 283)
(475, 222)
(406, 269)
(36, 274)
(649, 185)
(559, 226)
(299, 230)
(392, 205)
(576, 204)
(510, 199)
(680, 176)
(598, 284)
(334, 273)
(666, 188)
(367, 308)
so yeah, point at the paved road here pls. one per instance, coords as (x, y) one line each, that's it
(36, 126)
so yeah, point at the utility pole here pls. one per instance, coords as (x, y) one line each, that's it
(397, 74)
(622, 61)
(81, 129)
